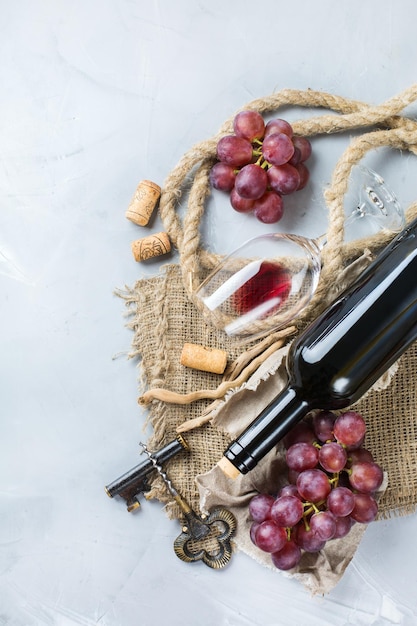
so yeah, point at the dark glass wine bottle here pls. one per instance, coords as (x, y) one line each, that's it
(343, 352)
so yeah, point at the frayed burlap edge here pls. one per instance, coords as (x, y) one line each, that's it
(401, 134)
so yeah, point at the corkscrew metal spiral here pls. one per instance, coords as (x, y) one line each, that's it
(159, 469)
(135, 481)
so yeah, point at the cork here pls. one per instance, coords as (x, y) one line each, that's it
(228, 468)
(202, 358)
(151, 246)
(143, 202)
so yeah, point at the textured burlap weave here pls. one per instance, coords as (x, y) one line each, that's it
(162, 319)
(164, 316)
(391, 413)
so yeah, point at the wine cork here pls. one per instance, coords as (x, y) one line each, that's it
(205, 359)
(143, 202)
(228, 468)
(151, 246)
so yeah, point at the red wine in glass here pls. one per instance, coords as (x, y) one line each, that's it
(270, 286)
(265, 283)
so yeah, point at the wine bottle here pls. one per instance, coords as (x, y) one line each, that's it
(343, 352)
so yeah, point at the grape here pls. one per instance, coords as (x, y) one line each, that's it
(343, 526)
(304, 146)
(332, 457)
(366, 477)
(235, 151)
(323, 524)
(340, 501)
(302, 431)
(260, 507)
(251, 181)
(241, 205)
(287, 511)
(293, 477)
(277, 148)
(323, 423)
(360, 454)
(253, 528)
(365, 509)
(349, 428)
(355, 446)
(269, 208)
(296, 157)
(304, 175)
(302, 456)
(269, 537)
(289, 490)
(222, 176)
(313, 485)
(278, 171)
(315, 508)
(249, 124)
(278, 126)
(284, 179)
(307, 539)
(288, 557)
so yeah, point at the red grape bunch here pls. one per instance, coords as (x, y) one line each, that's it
(332, 485)
(259, 164)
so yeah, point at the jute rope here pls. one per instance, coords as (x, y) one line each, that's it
(192, 174)
(195, 165)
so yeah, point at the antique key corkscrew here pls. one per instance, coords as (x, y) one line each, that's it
(135, 482)
(203, 538)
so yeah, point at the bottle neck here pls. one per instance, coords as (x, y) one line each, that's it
(275, 421)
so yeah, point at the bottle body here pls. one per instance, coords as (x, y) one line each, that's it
(342, 353)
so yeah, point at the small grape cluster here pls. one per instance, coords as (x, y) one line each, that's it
(332, 484)
(259, 164)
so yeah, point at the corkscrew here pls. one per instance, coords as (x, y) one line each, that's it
(135, 482)
(204, 538)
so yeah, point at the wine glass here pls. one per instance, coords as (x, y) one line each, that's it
(266, 282)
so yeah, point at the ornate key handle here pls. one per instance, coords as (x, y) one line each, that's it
(188, 549)
(203, 538)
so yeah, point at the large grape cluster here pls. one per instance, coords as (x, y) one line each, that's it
(332, 484)
(259, 164)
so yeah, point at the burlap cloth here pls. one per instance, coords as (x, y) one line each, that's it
(163, 316)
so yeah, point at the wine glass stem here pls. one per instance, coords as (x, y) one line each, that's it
(359, 212)
(321, 241)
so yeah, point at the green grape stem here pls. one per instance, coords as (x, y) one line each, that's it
(257, 152)
(335, 480)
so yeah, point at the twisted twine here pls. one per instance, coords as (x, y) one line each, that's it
(399, 132)
(392, 130)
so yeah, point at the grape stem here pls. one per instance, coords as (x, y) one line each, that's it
(261, 162)
(309, 508)
(335, 480)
